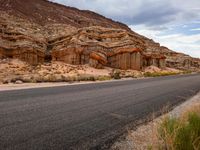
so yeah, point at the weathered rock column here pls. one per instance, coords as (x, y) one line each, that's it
(162, 63)
(1, 54)
(136, 61)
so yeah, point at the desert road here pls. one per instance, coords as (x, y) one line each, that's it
(87, 116)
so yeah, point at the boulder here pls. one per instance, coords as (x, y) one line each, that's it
(18, 82)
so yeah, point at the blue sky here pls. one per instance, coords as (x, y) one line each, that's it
(173, 23)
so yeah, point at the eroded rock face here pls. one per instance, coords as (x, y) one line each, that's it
(77, 37)
(182, 61)
(100, 47)
(21, 39)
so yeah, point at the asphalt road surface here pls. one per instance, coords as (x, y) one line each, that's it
(86, 116)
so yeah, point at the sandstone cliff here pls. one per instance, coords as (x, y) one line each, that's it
(38, 31)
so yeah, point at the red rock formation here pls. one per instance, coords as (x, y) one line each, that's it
(38, 30)
(179, 60)
(100, 47)
(21, 39)
(157, 60)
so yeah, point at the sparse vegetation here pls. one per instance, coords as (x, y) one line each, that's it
(116, 74)
(176, 130)
(103, 78)
(159, 74)
(181, 133)
(85, 77)
(187, 72)
(14, 70)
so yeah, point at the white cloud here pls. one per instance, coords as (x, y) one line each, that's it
(152, 12)
(189, 44)
(164, 21)
(196, 29)
(182, 43)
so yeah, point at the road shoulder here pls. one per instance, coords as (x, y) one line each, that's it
(144, 135)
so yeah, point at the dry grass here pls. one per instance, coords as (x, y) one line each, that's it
(159, 74)
(177, 130)
(103, 78)
(181, 133)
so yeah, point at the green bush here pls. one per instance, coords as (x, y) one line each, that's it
(178, 134)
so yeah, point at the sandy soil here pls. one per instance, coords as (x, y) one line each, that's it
(16, 74)
(14, 68)
(153, 69)
(13, 86)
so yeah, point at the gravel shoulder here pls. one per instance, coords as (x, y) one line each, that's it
(144, 135)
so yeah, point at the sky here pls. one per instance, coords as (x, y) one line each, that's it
(172, 23)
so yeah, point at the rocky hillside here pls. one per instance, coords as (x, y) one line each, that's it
(44, 12)
(39, 31)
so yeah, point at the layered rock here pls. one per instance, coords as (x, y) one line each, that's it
(38, 31)
(182, 61)
(99, 47)
(21, 39)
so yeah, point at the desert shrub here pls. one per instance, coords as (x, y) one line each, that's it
(187, 72)
(14, 79)
(36, 79)
(26, 79)
(69, 78)
(85, 77)
(6, 81)
(159, 74)
(116, 74)
(103, 78)
(181, 134)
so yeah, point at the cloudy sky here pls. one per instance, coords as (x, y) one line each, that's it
(173, 23)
